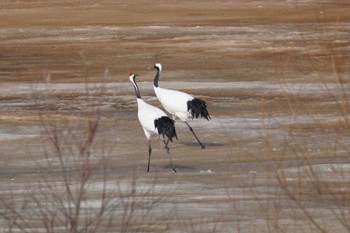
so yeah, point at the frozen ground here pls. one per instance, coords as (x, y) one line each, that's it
(274, 74)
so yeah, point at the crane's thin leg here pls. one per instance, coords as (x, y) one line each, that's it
(149, 154)
(170, 158)
(166, 144)
(202, 146)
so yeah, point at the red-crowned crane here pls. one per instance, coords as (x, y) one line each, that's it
(180, 104)
(153, 121)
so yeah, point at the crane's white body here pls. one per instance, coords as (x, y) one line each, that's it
(147, 114)
(174, 102)
(180, 104)
(153, 121)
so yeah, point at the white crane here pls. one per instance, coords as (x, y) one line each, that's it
(180, 104)
(153, 121)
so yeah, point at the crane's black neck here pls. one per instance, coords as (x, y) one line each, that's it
(136, 88)
(156, 78)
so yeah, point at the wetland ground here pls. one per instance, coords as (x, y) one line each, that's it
(274, 74)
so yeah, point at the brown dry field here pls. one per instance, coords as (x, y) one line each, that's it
(274, 74)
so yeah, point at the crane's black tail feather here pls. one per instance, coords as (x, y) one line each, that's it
(198, 107)
(165, 126)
